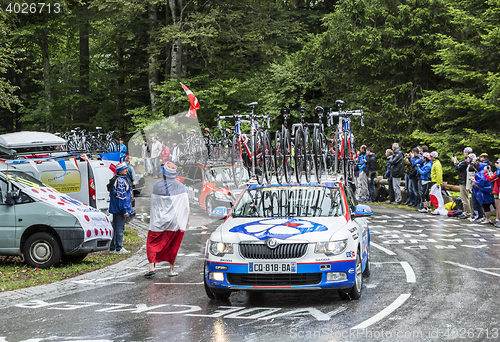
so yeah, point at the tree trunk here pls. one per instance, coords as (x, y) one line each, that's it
(44, 46)
(176, 9)
(84, 71)
(153, 58)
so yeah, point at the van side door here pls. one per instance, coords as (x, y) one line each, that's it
(7, 223)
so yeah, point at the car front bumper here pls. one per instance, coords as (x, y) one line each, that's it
(311, 276)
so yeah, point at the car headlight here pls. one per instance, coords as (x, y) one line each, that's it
(222, 197)
(331, 247)
(219, 249)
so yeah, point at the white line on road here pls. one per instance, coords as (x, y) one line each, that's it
(472, 268)
(383, 249)
(410, 275)
(387, 311)
(179, 283)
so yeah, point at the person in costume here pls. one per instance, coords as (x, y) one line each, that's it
(169, 218)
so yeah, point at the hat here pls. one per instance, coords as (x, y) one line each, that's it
(472, 156)
(434, 154)
(498, 161)
(169, 170)
(484, 155)
(468, 150)
(426, 155)
(121, 166)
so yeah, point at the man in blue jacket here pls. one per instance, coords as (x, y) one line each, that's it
(120, 205)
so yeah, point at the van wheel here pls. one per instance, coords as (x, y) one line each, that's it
(42, 250)
(73, 259)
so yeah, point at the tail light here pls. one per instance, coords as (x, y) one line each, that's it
(92, 190)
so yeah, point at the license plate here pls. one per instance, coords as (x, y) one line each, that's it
(272, 267)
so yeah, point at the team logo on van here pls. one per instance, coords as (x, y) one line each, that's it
(278, 228)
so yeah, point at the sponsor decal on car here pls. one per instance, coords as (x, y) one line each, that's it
(278, 228)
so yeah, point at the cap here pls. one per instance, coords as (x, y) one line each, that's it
(434, 154)
(169, 170)
(426, 155)
(483, 155)
(121, 166)
(468, 150)
(498, 161)
(472, 156)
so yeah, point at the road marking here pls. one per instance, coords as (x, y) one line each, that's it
(387, 311)
(472, 268)
(410, 275)
(201, 283)
(383, 249)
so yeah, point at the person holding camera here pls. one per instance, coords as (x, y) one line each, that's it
(461, 168)
(494, 177)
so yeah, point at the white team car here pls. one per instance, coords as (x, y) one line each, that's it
(290, 237)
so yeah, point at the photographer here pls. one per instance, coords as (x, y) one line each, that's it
(494, 177)
(461, 168)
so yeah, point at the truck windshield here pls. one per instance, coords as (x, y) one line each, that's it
(289, 201)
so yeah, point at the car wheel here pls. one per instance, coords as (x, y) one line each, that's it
(367, 270)
(210, 206)
(354, 293)
(218, 296)
(42, 250)
(73, 259)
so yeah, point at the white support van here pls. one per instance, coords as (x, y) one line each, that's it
(39, 155)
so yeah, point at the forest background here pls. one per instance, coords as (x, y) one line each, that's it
(425, 71)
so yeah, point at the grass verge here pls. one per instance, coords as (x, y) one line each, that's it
(15, 274)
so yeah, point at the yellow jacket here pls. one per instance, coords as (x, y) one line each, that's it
(437, 172)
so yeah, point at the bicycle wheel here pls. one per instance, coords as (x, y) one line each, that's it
(258, 155)
(278, 157)
(318, 153)
(268, 165)
(236, 161)
(307, 156)
(286, 147)
(300, 152)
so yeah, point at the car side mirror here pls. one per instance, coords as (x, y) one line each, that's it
(362, 210)
(11, 197)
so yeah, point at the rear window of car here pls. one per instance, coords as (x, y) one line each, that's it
(289, 201)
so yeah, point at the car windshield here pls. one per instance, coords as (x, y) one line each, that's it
(24, 180)
(289, 201)
(221, 175)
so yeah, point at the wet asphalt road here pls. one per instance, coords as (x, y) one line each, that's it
(433, 279)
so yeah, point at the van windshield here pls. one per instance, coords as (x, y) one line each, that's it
(23, 180)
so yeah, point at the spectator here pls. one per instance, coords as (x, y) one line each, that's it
(371, 172)
(169, 220)
(165, 153)
(120, 205)
(146, 158)
(416, 160)
(461, 168)
(123, 149)
(482, 191)
(130, 172)
(436, 181)
(425, 175)
(397, 171)
(176, 153)
(155, 156)
(412, 182)
(483, 158)
(477, 210)
(363, 185)
(389, 155)
(495, 177)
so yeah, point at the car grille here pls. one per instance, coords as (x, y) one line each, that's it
(274, 279)
(283, 251)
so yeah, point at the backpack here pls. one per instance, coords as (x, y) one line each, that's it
(111, 183)
(381, 195)
(458, 204)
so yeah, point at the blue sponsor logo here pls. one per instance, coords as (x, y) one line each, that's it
(278, 228)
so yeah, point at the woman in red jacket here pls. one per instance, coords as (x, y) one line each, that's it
(496, 178)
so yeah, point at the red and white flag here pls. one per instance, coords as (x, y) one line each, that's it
(194, 103)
